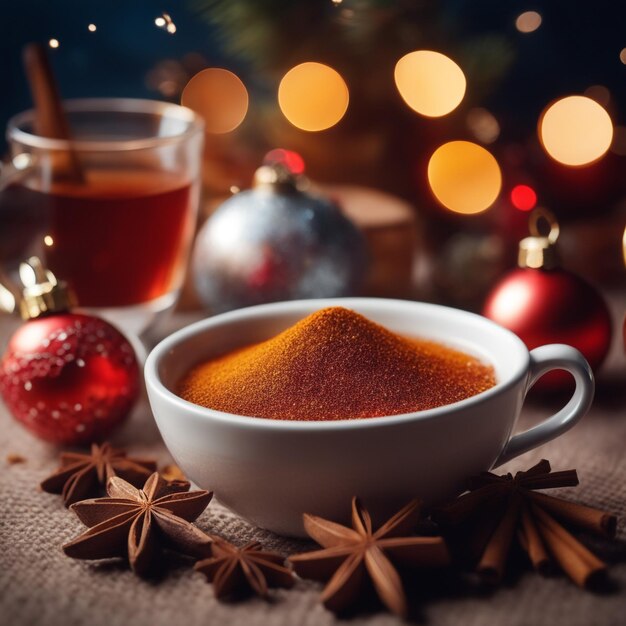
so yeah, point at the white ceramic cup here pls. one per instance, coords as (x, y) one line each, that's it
(273, 471)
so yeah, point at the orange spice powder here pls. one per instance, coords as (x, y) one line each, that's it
(335, 364)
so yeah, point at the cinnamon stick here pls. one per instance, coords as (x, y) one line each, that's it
(467, 504)
(574, 558)
(486, 478)
(585, 517)
(566, 478)
(50, 120)
(491, 566)
(542, 467)
(531, 541)
(419, 552)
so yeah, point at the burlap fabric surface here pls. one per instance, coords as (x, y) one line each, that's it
(39, 585)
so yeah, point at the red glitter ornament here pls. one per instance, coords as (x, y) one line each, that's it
(544, 303)
(69, 378)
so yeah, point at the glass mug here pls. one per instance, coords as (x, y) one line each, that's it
(121, 236)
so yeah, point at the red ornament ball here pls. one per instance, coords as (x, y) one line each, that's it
(69, 378)
(552, 306)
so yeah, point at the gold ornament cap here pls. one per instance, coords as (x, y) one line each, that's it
(539, 250)
(279, 178)
(42, 293)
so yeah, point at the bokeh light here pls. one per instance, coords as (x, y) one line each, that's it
(528, 22)
(290, 159)
(92, 28)
(622, 56)
(54, 43)
(219, 97)
(575, 130)
(523, 197)
(165, 21)
(464, 177)
(619, 141)
(313, 96)
(483, 125)
(599, 93)
(431, 83)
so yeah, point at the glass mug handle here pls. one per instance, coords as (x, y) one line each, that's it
(543, 360)
(16, 168)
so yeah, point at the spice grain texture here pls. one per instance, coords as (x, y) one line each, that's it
(335, 364)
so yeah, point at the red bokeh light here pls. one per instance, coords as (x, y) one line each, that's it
(523, 197)
(291, 160)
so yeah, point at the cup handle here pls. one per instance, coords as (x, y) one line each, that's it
(543, 360)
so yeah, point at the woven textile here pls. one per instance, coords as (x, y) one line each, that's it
(40, 586)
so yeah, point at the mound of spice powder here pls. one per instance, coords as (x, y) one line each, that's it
(335, 364)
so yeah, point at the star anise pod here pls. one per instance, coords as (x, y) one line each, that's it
(498, 508)
(84, 476)
(351, 554)
(250, 568)
(139, 523)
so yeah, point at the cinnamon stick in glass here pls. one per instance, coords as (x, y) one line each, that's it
(50, 120)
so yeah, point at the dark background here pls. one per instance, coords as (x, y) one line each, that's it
(577, 45)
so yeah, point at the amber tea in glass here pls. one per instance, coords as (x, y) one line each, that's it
(120, 237)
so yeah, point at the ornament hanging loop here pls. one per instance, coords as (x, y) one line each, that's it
(535, 221)
(538, 251)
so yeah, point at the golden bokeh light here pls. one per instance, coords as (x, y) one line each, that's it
(92, 28)
(464, 177)
(313, 96)
(622, 56)
(575, 130)
(219, 97)
(54, 43)
(528, 22)
(430, 82)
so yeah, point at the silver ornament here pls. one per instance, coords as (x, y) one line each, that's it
(275, 242)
